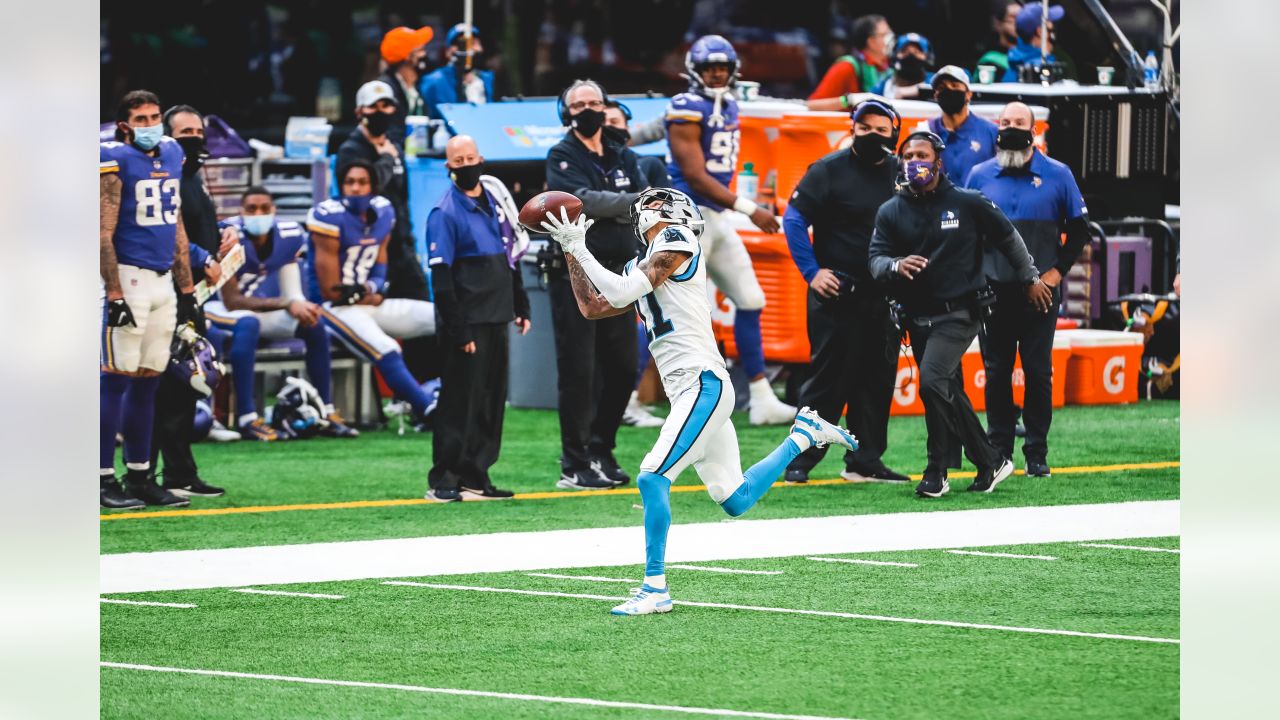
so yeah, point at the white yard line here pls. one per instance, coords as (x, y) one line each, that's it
(591, 702)
(624, 547)
(321, 596)
(592, 578)
(854, 561)
(1002, 555)
(114, 601)
(732, 571)
(793, 611)
(1131, 547)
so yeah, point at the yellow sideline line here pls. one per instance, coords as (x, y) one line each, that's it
(562, 494)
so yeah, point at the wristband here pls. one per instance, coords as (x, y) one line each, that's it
(745, 206)
(844, 102)
(894, 267)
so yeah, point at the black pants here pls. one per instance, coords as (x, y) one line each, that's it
(938, 344)
(171, 433)
(468, 419)
(596, 361)
(1017, 328)
(854, 363)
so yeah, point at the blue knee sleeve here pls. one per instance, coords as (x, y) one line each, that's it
(111, 389)
(244, 346)
(139, 418)
(656, 492)
(759, 478)
(401, 381)
(746, 335)
(317, 340)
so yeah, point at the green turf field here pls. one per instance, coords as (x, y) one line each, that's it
(407, 651)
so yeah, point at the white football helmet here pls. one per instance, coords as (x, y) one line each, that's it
(669, 205)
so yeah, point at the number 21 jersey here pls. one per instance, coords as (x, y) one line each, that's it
(147, 230)
(719, 139)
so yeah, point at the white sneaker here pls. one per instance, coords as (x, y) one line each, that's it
(220, 433)
(823, 433)
(638, 415)
(765, 407)
(645, 601)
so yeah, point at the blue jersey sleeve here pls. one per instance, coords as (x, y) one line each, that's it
(441, 243)
(686, 108)
(1073, 201)
(107, 160)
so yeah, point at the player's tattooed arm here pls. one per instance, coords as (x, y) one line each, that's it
(592, 304)
(234, 299)
(660, 265)
(109, 187)
(182, 260)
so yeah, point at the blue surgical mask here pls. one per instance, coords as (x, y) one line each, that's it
(920, 172)
(358, 204)
(147, 137)
(258, 225)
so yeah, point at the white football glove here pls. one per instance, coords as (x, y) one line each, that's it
(572, 236)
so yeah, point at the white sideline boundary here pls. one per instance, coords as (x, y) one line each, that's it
(1143, 548)
(117, 601)
(318, 596)
(624, 546)
(591, 702)
(793, 611)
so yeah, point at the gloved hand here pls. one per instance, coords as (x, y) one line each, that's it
(349, 294)
(119, 314)
(572, 236)
(188, 310)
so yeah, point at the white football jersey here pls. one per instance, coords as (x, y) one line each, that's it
(677, 314)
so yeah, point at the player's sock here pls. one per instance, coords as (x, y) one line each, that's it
(111, 389)
(657, 582)
(746, 335)
(401, 381)
(656, 492)
(318, 369)
(759, 478)
(137, 421)
(244, 346)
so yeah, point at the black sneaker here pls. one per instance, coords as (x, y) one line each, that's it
(881, 474)
(192, 488)
(584, 479)
(933, 485)
(112, 497)
(1038, 469)
(139, 484)
(608, 468)
(795, 476)
(488, 492)
(443, 495)
(989, 478)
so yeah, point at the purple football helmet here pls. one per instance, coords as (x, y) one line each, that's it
(710, 50)
(193, 361)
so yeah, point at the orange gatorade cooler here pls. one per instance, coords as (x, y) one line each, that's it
(783, 324)
(1104, 367)
(805, 137)
(975, 375)
(760, 123)
(906, 387)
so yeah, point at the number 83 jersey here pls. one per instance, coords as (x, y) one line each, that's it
(719, 139)
(677, 313)
(147, 230)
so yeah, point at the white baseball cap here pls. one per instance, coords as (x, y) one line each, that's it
(373, 91)
(954, 73)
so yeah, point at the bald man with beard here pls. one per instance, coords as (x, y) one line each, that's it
(474, 243)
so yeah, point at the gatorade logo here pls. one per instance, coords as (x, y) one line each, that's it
(904, 392)
(1113, 375)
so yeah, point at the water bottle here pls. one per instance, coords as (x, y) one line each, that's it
(748, 182)
(1151, 71)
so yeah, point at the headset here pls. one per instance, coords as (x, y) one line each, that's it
(930, 137)
(626, 111)
(562, 103)
(886, 109)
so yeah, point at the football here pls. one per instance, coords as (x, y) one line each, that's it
(534, 212)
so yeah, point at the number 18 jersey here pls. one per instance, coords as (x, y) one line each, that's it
(147, 229)
(677, 314)
(359, 240)
(719, 139)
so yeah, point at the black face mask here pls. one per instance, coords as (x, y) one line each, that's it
(1012, 138)
(587, 122)
(422, 66)
(196, 153)
(951, 101)
(872, 148)
(466, 177)
(909, 69)
(378, 123)
(617, 135)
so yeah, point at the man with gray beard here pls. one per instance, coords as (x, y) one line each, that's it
(1042, 199)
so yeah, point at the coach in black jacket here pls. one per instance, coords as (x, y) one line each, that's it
(596, 359)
